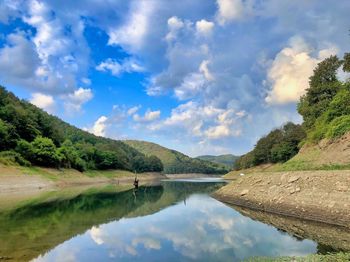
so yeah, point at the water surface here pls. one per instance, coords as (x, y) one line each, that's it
(171, 221)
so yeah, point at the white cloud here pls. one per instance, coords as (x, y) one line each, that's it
(148, 117)
(116, 68)
(229, 10)
(43, 101)
(133, 110)
(174, 26)
(290, 71)
(204, 27)
(203, 122)
(99, 127)
(203, 68)
(74, 101)
(131, 35)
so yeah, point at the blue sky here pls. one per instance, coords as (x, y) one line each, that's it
(199, 76)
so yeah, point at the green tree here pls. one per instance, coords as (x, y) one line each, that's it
(45, 152)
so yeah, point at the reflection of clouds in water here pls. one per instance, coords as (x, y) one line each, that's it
(148, 243)
(204, 229)
(63, 253)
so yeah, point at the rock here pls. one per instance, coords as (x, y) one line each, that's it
(297, 189)
(293, 179)
(331, 204)
(341, 187)
(244, 192)
(292, 191)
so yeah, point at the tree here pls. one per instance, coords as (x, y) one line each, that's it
(45, 152)
(323, 86)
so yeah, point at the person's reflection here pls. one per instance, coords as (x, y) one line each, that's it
(185, 201)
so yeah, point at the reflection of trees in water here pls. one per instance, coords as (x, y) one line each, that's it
(33, 229)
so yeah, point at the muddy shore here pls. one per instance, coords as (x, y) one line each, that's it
(322, 196)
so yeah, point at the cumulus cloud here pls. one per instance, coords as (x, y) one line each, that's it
(74, 101)
(99, 128)
(132, 33)
(204, 27)
(43, 101)
(290, 71)
(148, 117)
(229, 10)
(116, 68)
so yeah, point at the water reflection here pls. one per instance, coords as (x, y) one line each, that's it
(174, 221)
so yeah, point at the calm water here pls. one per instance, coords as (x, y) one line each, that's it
(172, 221)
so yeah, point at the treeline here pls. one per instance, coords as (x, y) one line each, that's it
(29, 135)
(185, 164)
(325, 109)
(278, 146)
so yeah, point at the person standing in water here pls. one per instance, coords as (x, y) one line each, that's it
(136, 182)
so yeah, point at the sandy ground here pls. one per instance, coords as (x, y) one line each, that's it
(322, 196)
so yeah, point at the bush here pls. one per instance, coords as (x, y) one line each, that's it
(339, 127)
(11, 157)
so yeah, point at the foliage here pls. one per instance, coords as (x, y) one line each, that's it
(278, 146)
(46, 140)
(12, 158)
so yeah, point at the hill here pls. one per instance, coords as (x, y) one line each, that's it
(228, 160)
(175, 162)
(30, 136)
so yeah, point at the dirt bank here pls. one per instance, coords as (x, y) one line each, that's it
(322, 196)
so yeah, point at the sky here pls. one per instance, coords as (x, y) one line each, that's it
(198, 76)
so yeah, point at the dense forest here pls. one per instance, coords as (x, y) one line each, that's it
(175, 162)
(325, 109)
(30, 136)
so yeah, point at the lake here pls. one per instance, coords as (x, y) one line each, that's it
(174, 220)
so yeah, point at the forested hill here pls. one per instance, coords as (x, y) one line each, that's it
(228, 160)
(29, 135)
(176, 162)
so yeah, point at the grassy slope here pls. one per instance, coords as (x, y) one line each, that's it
(168, 157)
(227, 160)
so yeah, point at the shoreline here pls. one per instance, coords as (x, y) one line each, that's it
(321, 196)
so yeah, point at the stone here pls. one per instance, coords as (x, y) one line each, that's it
(342, 187)
(293, 179)
(244, 192)
(331, 204)
(297, 189)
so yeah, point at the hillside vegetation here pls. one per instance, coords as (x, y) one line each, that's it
(175, 162)
(228, 160)
(30, 136)
(325, 109)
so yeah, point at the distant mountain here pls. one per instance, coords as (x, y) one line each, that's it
(228, 160)
(175, 162)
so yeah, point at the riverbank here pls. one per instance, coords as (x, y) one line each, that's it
(322, 196)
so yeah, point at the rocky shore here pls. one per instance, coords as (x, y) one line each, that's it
(322, 196)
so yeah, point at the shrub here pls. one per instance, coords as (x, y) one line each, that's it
(11, 157)
(339, 127)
